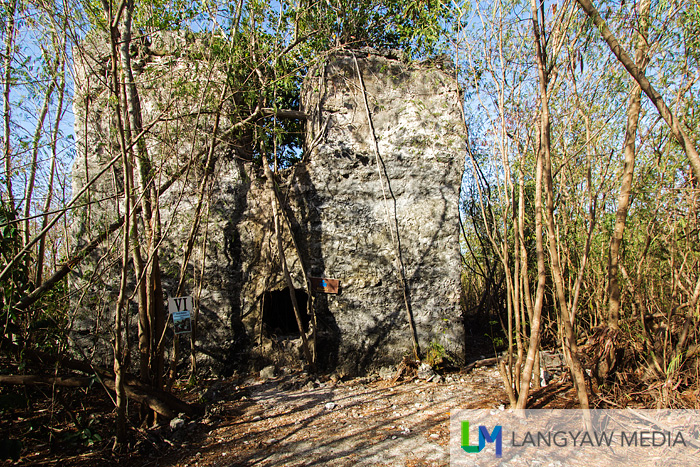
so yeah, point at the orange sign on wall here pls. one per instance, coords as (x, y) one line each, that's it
(321, 284)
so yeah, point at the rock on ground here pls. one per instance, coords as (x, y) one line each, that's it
(267, 373)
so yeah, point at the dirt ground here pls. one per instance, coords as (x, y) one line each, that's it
(364, 421)
(289, 420)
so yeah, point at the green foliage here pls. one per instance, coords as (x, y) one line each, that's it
(44, 323)
(154, 15)
(497, 336)
(165, 15)
(417, 27)
(17, 283)
(689, 22)
(437, 356)
(87, 431)
(242, 58)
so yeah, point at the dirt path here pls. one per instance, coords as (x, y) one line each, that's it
(358, 422)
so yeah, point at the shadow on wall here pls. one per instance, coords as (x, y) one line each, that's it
(237, 352)
(309, 237)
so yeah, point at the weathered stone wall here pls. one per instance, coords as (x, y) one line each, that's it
(355, 200)
(179, 87)
(342, 200)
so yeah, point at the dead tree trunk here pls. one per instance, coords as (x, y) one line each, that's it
(158, 400)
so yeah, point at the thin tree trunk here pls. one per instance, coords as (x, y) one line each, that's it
(145, 330)
(156, 304)
(52, 171)
(395, 237)
(29, 189)
(154, 309)
(280, 249)
(7, 149)
(535, 319)
(121, 309)
(517, 301)
(119, 347)
(132, 124)
(623, 200)
(524, 282)
(569, 335)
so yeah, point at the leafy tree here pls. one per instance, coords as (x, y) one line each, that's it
(18, 281)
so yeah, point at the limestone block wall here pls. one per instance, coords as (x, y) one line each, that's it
(358, 201)
(351, 211)
(179, 89)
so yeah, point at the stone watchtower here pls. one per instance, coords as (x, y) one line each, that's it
(373, 205)
(385, 161)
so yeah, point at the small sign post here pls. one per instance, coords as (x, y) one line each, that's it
(180, 308)
(324, 285)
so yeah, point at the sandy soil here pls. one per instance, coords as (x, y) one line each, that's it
(294, 421)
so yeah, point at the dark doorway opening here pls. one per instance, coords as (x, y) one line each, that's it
(278, 312)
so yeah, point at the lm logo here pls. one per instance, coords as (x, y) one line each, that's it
(484, 437)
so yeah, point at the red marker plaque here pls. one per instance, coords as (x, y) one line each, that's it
(321, 284)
